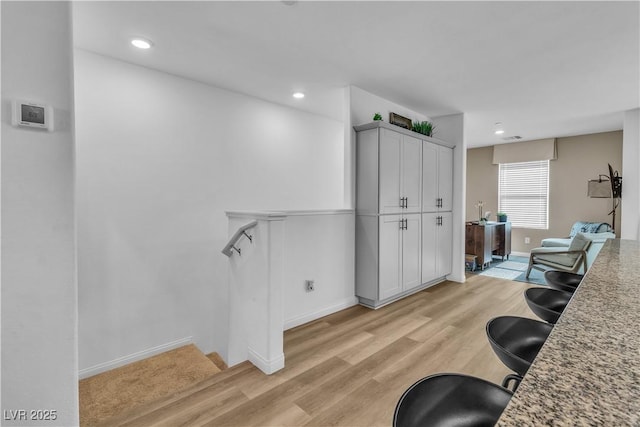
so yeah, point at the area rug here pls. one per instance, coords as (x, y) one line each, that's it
(515, 268)
(110, 393)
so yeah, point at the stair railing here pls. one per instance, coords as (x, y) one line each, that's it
(241, 231)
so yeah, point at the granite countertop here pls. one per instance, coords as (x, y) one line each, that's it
(588, 371)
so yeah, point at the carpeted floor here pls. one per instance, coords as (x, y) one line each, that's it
(110, 393)
(514, 268)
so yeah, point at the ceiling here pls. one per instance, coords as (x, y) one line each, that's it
(543, 69)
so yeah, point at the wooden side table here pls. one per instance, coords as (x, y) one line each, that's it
(488, 240)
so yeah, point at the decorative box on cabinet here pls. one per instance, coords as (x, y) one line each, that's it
(392, 248)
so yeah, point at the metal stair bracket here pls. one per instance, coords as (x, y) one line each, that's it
(242, 231)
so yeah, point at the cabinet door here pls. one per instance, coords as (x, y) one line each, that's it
(429, 246)
(390, 250)
(411, 172)
(411, 249)
(445, 177)
(429, 177)
(389, 171)
(445, 238)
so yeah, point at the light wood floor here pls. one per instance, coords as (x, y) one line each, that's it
(350, 368)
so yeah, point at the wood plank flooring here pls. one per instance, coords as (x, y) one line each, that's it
(350, 368)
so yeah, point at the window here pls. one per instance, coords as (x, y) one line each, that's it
(523, 193)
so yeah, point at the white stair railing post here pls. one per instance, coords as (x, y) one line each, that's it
(255, 294)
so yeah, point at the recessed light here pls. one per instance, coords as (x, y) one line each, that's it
(498, 129)
(141, 43)
(298, 95)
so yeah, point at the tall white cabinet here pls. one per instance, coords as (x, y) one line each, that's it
(437, 202)
(403, 212)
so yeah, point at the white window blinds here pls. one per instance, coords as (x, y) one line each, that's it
(523, 193)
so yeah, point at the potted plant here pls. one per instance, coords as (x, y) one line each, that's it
(502, 217)
(377, 117)
(425, 128)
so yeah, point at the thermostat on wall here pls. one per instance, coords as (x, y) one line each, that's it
(32, 115)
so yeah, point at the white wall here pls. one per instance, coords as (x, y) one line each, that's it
(39, 318)
(630, 207)
(365, 104)
(321, 247)
(159, 160)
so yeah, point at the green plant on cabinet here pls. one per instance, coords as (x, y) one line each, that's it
(425, 128)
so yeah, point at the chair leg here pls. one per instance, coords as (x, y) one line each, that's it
(530, 266)
(512, 377)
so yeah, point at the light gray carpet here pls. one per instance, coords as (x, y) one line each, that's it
(514, 268)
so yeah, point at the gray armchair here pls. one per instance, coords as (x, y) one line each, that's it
(571, 258)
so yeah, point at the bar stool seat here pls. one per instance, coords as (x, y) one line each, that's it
(547, 304)
(517, 341)
(563, 280)
(451, 400)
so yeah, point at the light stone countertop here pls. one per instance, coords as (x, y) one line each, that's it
(588, 371)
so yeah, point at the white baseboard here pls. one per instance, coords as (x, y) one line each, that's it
(306, 318)
(125, 360)
(456, 277)
(266, 366)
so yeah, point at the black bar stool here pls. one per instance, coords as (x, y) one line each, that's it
(451, 400)
(547, 304)
(516, 341)
(563, 280)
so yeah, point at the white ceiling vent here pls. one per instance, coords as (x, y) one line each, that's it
(512, 138)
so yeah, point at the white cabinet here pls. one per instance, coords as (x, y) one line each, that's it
(390, 248)
(395, 241)
(395, 254)
(411, 250)
(400, 249)
(437, 177)
(437, 236)
(399, 167)
(389, 171)
(437, 197)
